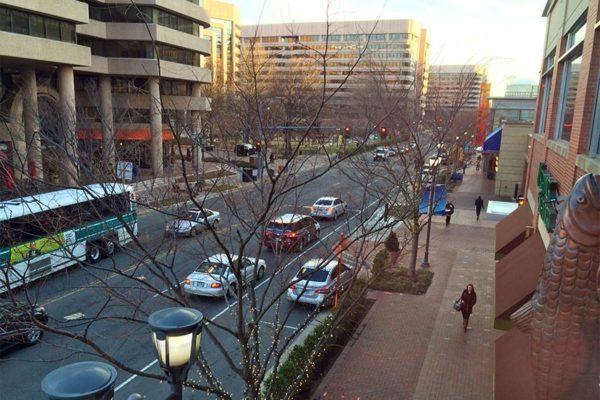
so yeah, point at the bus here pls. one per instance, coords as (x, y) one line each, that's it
(44, 233)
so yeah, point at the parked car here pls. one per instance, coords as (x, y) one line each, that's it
(291, 232)
(244, 149)
(317, 282)
(17, 326)
(214, 276)
(193, 221)
(328, 207)
(380, 154)
(390, 152)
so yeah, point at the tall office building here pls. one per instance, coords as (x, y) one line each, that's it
(456, 86)
(97, 63)
(225, 40)
(394, 52)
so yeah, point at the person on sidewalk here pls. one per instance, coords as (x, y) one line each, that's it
(464, 168)
(478, 206)
(467, 301)
(448, 211)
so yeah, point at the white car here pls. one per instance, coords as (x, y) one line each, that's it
(191, 222)
(328, 207)
(317, 282)
(214, 277)
(380, 154)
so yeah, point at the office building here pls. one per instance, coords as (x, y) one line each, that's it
(97, 64)
(225, 40)
(564, 145)
(456, 86)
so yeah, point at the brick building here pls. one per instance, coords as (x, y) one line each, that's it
(565, 145)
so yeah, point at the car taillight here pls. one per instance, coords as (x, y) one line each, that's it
(215, 285)
(291, 234)
(330, 209)
(322, 291)
(312, 209)
(187, 281)
(292, 286)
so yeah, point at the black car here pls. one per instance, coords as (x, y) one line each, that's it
(17, 326)
(243, 150)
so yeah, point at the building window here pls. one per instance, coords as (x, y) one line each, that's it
(546, 86)
(36, 25)
(567, 99)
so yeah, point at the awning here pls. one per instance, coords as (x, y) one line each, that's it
(124, 134)
(510, 231)
(492, 141)
(517, 275)
(439, 200)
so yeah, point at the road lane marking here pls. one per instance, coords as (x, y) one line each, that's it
(74, 317)
(131, 378)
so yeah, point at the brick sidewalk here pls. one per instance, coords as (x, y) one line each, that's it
(414, 346)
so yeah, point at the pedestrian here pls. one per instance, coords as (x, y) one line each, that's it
(478, 206)
(464, 168)
(448, 211)
(467, 301)
(477, 166)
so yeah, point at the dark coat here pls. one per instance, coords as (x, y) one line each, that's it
(449, 210)
(479, 204)
(468, 301)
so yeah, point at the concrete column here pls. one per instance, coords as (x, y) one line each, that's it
(106, 112)
(31, 122)
(196, 129)
(67, 124)
(156, 127)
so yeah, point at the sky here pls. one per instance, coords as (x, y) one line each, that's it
(505, 35)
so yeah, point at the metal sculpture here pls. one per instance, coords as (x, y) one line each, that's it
(565, 307)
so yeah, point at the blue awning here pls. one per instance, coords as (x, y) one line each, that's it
(492, 141)
(439, 200)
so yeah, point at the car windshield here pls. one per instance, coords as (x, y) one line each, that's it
(279, 227)
(322, 202)
(311, 274)
(380, 151)
(213, 268)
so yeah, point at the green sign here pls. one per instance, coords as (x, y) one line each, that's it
(547, 195)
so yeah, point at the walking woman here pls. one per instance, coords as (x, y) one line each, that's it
(467, 301)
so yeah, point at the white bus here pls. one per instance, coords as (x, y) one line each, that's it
(45, 233)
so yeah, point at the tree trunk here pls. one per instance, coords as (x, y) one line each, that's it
(412, 266)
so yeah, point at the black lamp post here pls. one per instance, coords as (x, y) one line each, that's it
(88, 380)
(434, 164)
(176, 335)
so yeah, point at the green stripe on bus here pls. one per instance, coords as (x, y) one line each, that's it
(97, 229)
(36, 248)
(4, 256)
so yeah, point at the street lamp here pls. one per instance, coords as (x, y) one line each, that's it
(87, 380)
(176, 335)
(433, 163)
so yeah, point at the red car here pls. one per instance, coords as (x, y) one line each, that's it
(291, 232)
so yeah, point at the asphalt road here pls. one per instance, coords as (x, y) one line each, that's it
(75, 297)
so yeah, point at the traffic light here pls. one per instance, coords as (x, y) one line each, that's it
(383, 132)
(347, 131)
(258, 144)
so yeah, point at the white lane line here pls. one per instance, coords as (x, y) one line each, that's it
(131, 378)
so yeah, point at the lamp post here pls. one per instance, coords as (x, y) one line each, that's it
(434, 164)
(176, 336)
(87, 380)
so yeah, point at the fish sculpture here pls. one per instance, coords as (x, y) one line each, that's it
(565, 308)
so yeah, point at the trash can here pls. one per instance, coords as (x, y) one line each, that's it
(247, 174)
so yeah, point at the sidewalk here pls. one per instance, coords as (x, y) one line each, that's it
(413, 347)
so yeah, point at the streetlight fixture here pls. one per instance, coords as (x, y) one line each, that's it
(433, 163)
(176, 336)
(87, 380)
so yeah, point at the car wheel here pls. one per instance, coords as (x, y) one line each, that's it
(215, 224)
(261, 273)
(33, 336)
(318, 234)
(335, 215)
(93, 253)
(301, 245)
(110, 248)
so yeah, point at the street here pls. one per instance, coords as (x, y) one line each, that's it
(119, 305)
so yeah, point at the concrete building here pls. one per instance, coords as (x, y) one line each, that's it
(96, 61)
(564, 145)
(456, 86)
(396, 52)
(225, 40)
(514, 109)
(521, 89)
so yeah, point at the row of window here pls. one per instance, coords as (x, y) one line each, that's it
(333, 38)
(51, 222)
(139, 14)
(36, 25)
(132, 49)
